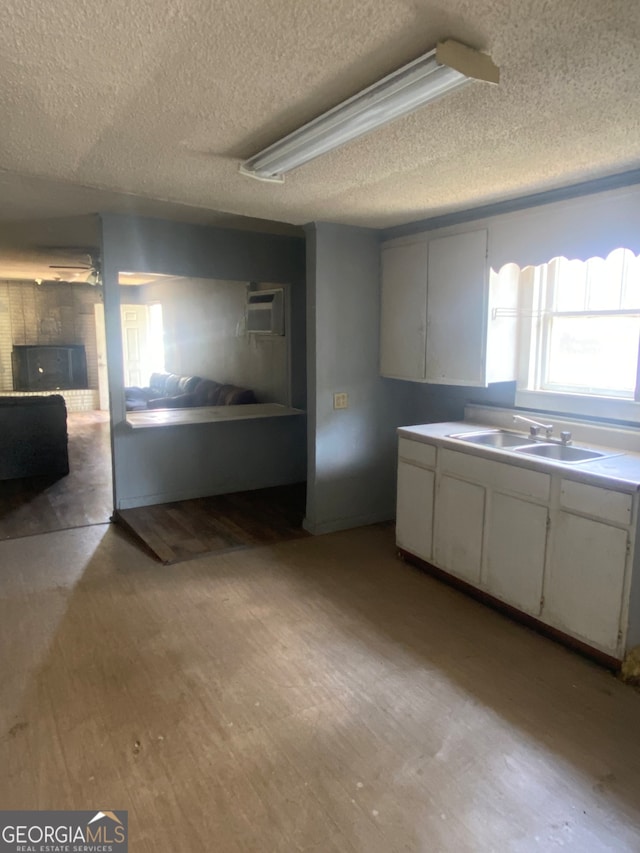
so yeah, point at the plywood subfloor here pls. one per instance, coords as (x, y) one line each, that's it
(313, 695)
(85, 496)
(186, 529)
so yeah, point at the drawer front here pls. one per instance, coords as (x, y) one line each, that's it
(497, 475)
(615, 507)
(416, 451)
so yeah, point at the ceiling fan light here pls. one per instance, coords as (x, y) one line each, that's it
(448, 67)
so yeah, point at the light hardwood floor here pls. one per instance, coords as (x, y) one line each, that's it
(313, 695)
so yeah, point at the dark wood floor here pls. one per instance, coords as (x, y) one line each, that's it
(43, 504)
(187, 529)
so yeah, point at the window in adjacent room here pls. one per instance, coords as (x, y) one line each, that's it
(156, 339)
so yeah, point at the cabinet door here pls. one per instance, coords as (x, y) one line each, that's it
(457, 309)
(584, 587)
(414, 518)
(403, 323)
(516, 541)
(459, 522)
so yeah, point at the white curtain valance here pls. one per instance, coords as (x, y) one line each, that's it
(591, 226)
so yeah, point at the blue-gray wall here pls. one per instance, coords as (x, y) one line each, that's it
(436, 403)
(174, 463)
(351, 452)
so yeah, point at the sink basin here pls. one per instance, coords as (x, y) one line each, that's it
(519, 443)
(495, 438)
(515, 441)
(563, 452)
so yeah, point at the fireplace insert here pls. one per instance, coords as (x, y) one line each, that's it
(49, 368)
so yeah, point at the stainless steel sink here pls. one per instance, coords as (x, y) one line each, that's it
(563, 452)
(518, 443)
(495, 438)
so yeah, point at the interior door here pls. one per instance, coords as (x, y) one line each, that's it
(135, 323)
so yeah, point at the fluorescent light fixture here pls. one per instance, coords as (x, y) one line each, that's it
(448, 67)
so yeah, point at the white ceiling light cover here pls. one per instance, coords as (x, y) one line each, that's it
(446, 68)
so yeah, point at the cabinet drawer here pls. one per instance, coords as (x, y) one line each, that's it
(593, 500)
(497, 475)
(416, 451)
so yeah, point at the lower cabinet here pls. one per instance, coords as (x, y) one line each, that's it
(585, 582)
(414, 527)
(557, 549)
(515, 552)
(459, 522)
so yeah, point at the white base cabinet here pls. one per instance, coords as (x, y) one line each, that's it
(414, 530)
(553, 548)
(516, 540)
(459, 521)
(585, 585)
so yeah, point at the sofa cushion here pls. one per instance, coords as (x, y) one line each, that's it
(157, 383)
(231, 395)
(172, 385)
(206, 393)
(180, 401)
(187, 384)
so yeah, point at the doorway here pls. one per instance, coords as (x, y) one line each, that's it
(52, 321)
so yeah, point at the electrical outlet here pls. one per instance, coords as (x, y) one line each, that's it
(341, 400)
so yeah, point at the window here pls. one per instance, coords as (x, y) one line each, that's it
(580, 326)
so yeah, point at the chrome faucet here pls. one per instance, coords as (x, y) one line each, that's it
(535, 426)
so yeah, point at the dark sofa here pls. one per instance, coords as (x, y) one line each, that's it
(34, 437)
(170, 391)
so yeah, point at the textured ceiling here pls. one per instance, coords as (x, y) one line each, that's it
(163, 98)
(46, 222)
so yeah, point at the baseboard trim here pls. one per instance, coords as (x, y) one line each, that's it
(337, 524)
(187, 495)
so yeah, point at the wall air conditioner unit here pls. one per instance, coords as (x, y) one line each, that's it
(265, 312)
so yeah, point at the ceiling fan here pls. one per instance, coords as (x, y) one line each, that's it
(92, 268)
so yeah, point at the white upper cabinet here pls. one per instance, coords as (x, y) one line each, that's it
(456, 308)
(404, 310)
(446, 318)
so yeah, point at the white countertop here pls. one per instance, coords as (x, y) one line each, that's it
(151, 418)
(621, 471)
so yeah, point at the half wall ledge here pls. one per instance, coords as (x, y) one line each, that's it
(154, 418)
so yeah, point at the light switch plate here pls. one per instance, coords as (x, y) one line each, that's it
(341, 400)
